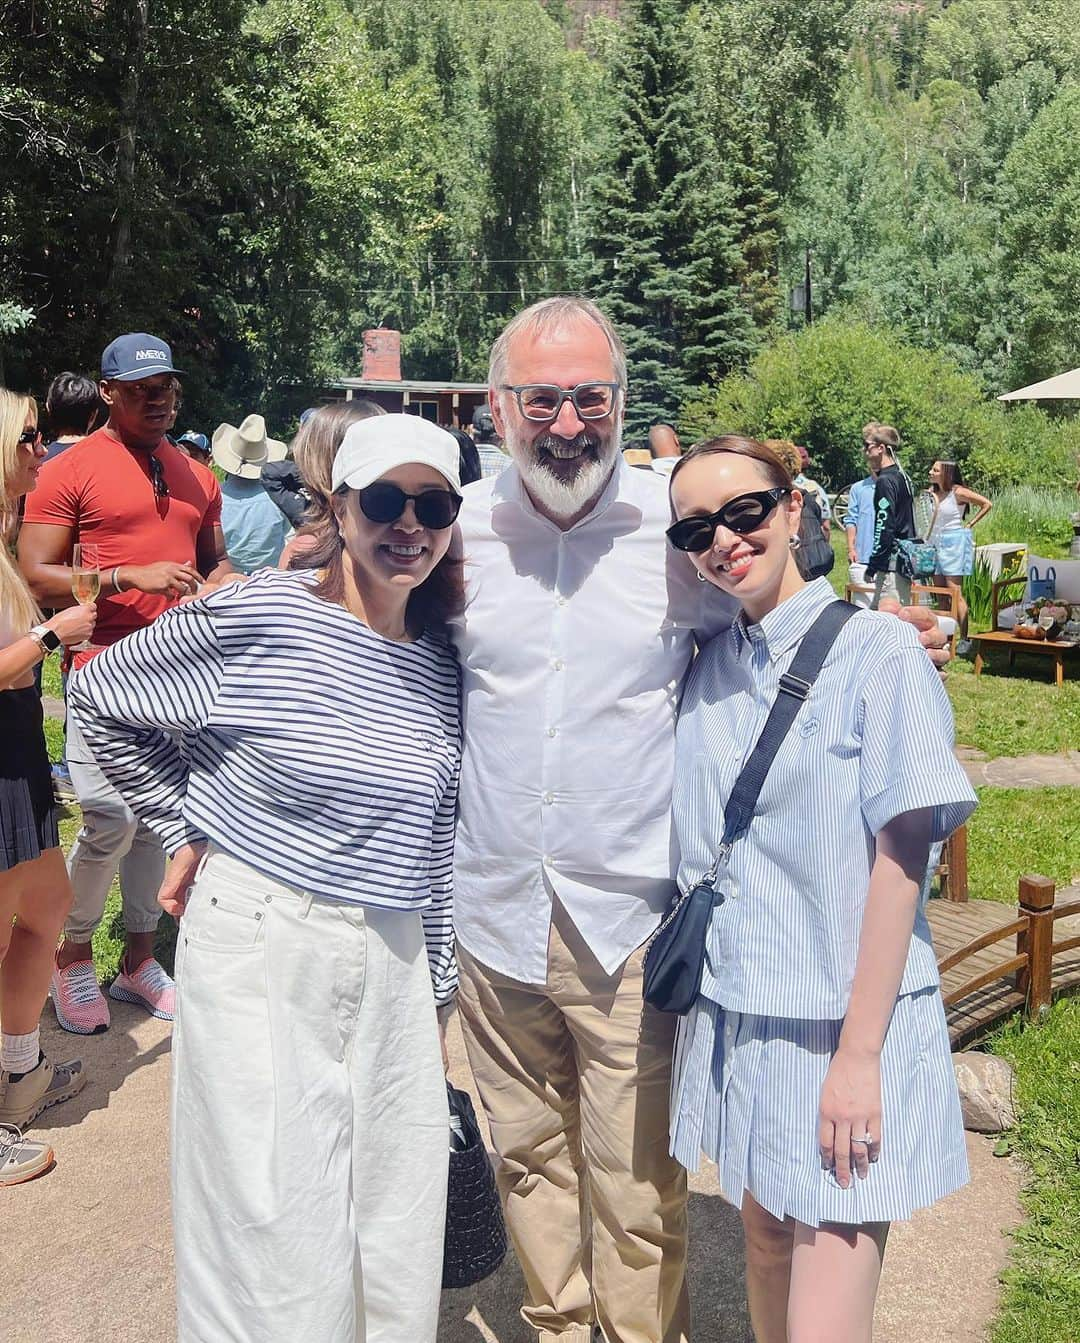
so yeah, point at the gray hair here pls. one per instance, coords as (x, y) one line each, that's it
(552, 314)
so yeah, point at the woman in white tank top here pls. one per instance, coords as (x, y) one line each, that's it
(951, 533)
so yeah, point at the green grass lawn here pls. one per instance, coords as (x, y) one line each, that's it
(1041, 1301)
(1017, 831)
(1019, 712)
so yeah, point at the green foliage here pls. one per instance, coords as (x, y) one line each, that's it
(663, 224)
(1040, 195)
(820, 385)
(1036, 514)
(978, 593)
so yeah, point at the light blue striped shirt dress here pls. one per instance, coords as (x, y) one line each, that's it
(873, 741)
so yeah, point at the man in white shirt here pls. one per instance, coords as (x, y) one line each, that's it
(580, 624)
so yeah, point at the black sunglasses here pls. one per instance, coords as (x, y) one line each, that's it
(157, 475)
(384, 502)
(30, 436)
(743, 514)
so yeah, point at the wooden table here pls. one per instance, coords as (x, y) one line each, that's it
(1057, 649)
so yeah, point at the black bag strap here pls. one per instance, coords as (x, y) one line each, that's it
(794, 688)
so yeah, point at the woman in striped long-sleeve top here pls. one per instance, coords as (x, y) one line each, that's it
(814, 1067)
(295, 741)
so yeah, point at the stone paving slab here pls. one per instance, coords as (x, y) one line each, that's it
(87, 1250)
(1021, 771)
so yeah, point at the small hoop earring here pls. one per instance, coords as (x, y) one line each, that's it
(700, 576)
(794, 542)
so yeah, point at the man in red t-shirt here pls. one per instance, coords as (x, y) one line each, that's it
(152, 517)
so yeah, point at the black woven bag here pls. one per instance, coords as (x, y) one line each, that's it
(475, 1242)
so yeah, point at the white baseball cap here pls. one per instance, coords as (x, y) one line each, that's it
(376, 445)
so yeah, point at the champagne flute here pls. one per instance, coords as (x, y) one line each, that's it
(85, 582)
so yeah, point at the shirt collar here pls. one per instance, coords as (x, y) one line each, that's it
(782, 627)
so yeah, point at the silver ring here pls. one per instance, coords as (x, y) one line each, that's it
(866, 1138)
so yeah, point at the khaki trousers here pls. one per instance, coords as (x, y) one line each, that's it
(575, 1077)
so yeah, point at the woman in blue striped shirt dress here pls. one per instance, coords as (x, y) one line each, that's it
(815, 1066)
(295, 741)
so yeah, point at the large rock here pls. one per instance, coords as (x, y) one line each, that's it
(986, 1091)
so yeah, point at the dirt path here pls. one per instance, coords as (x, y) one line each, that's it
(87, 1258)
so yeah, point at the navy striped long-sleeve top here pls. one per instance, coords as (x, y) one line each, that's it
(295, 738)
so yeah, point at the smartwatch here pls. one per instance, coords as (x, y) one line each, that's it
(48, 640)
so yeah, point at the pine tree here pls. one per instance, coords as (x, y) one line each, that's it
(664, 225)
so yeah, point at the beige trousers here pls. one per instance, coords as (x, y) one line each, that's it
(575, 1078)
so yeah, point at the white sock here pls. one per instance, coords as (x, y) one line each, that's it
(19, 1053)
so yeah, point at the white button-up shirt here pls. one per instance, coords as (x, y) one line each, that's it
(573, 646)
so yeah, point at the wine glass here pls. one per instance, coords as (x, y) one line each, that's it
(85, 581)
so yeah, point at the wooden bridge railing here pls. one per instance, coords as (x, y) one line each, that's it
(1032, 963)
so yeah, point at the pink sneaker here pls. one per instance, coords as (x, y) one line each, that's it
(150, 987)
(77, 997)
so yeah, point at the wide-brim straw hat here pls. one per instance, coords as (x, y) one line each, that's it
(245, 451)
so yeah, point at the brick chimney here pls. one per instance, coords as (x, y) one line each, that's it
(382, 355)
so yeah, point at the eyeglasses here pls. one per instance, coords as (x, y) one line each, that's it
(30, 436)
(157, 475)
(384, 502)
(541, 402)
(743, 514)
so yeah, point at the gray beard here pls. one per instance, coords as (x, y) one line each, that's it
(565, 497)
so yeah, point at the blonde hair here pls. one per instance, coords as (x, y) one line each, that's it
(787, 452)
(17, 605)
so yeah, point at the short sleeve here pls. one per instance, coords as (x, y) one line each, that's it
(55, 502)
(907, 761)
(212, 516)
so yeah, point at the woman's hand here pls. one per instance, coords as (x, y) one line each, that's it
(179, 878)
(850, 1108)
(73, 625)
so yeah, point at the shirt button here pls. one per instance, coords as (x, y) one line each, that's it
(560, 600)
(548, 799)
(552, 731)
(557, 664)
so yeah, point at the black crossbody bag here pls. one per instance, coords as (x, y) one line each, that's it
(675, 956)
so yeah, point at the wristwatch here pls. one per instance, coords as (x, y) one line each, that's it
(47, 640)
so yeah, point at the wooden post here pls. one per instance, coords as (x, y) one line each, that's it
(956, 859)
(1037, 903)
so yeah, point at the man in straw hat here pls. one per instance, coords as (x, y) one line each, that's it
(255, 528)
(150, 517)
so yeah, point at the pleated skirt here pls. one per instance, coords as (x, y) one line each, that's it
(746, 1093)
(28, 812)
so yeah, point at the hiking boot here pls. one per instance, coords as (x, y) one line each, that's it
(80, 1005)
(150, 987)
(21, 1158)
(23, 1096)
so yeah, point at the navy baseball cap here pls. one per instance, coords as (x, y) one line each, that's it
(197, 440)
(135, 356)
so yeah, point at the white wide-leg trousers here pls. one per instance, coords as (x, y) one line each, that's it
(309, 1119)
